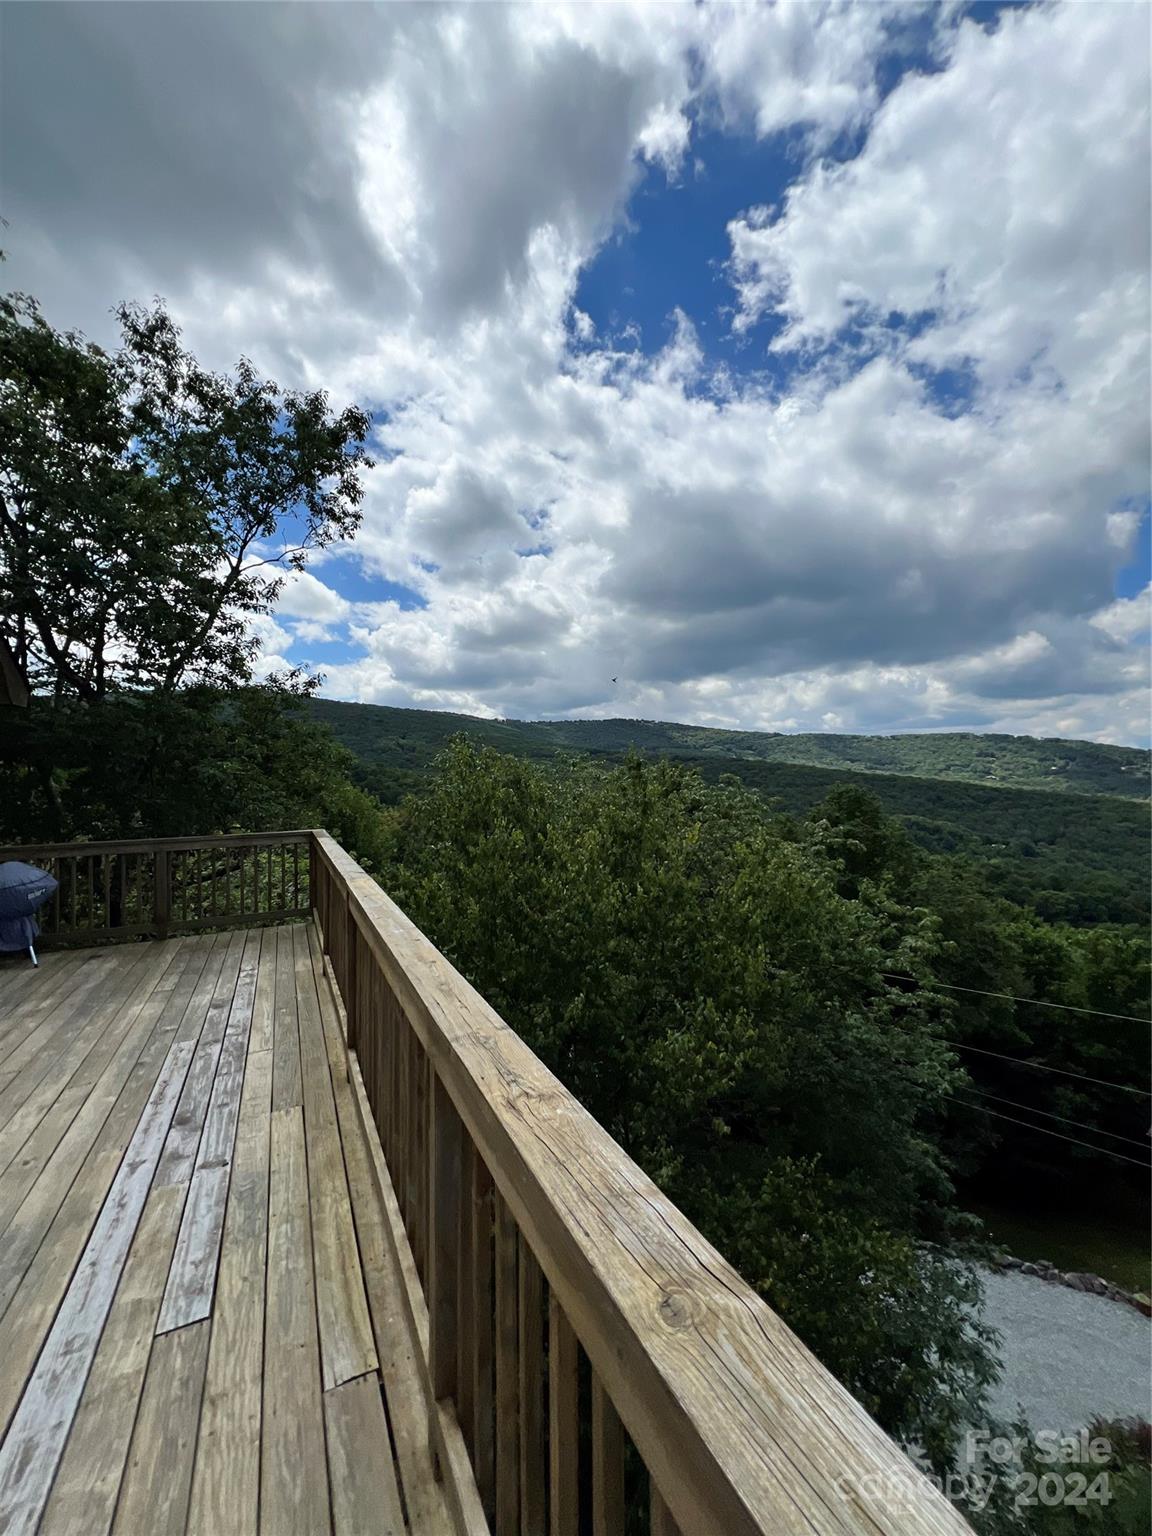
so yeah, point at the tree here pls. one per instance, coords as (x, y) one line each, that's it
(149, 512)
(149, 508)
(692, 973)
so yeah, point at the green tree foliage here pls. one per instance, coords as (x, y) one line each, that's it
(1080, 858)
(149, 511)
(696, 977)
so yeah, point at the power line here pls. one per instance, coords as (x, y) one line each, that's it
(1038, 1066)
(1008, 997)
(1043, 1131)
(1030, 1109)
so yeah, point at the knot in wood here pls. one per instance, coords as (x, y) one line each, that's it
(675, 1310)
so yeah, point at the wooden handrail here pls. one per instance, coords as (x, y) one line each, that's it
(503, 1182)
(141, 887)
(34, 851)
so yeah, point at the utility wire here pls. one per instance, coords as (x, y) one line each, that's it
(1008, 997)
(1093, 1130)
(1043, 1131)
(1039, 1066)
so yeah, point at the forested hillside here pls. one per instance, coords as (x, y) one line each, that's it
(1073, 857)
(404, 739)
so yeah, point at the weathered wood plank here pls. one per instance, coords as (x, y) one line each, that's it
(507, 1375)
(365, 1496)
(563, 1423)
(105, 995)
(83, 1498)
(444, 1199)
(154, 1496)
(47, 1235)
(286, 1084)
(484, 1332)
(35, 1442)
(55, 1035)
(226, 1480)
(180, 1151)
(346, 1343)
(399, 1340)
(533, 1453)
(294, 1478)
(111, 1051)
(188, 1297)
(608, 1507)
(264, 1002)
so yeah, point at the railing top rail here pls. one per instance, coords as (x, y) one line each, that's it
(153, 844)
(744, 1431)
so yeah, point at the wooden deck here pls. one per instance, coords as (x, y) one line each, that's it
(201, 1326)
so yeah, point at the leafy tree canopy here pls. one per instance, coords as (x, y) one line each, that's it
(149, 511)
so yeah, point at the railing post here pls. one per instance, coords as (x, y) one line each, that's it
(161, 893)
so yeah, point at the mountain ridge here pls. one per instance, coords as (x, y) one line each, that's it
(409, 738)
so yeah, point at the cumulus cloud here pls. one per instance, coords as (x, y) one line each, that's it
(398, 204)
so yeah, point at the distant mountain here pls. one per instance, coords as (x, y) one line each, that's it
(407, 740)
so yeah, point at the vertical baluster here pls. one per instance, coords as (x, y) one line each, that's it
(106, 867)
(73, 893)
(403, 1112)
(444, 1199)
(295, 877)
(563, 1422)
(283, 878)
(466, 1300)
(607, 1465)
(507, 1376)
(418, 1107)
(484, 1327)
(533, 1475)
(58, 871)
(418, 1176)
(90, 907)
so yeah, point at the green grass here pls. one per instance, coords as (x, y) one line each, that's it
(1097, 1243)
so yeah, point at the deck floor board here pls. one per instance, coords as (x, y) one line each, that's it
(191, 1276)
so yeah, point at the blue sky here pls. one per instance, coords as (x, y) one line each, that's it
(786, 363)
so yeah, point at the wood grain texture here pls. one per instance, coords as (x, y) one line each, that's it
(83, 1499)
(35, 1441)
(192, 1279)
(533, 1446)
(563, 1423)
(365, 1496)
(346, 1343)
(154, 1496)
(398, 1341)
(507, 1373)
(168, 1430)
(226, 1476)
(742, 1429)
(286, 1088)
(294, 1475)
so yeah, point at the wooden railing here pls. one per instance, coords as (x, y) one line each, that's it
(590, 1362)
(156, 886)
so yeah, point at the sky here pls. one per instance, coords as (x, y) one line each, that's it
(773, 366)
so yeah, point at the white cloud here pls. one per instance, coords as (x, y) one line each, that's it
(842, 554)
